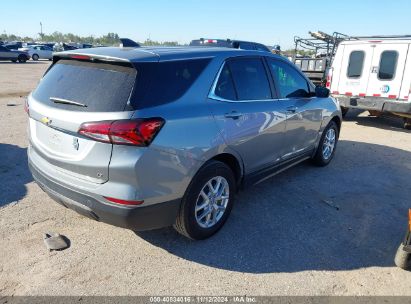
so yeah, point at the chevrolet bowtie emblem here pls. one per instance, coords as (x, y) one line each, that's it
(45, 120)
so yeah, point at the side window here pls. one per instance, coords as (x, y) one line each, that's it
(388, 65)
(355, 64)
(250, 79)
(260, 47)
(290, 83)
(225, 87)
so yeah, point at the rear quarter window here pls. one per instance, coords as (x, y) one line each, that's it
(164, 82)
(355, 64)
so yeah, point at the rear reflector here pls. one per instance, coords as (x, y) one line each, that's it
(392, 96)
(81, 57)
(376, 95)
(336, 92)
(406, 97)
(135, 132)
(348, 93)
(123, 202)
(362, 95)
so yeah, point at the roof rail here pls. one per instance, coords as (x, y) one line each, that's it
(382, 36)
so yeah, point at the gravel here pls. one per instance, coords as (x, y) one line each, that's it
(307, 231)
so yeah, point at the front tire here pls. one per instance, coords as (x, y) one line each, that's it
(22, 59)
(35, 57)
(402, 258)
(207, 202)
(328, 144)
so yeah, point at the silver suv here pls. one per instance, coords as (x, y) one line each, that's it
(144, 138)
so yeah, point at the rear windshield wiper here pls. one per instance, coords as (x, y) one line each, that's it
(66, 101)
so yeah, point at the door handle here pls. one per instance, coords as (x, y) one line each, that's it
(233, 115)
(292, 109)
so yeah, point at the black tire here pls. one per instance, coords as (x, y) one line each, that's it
(35, 57)
(407, 123)
(319, 158)
(402, 258)
(344, 111)
(22, 58)
(14, 60)
(186, 223)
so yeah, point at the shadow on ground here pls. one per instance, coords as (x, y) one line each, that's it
(386, 121)
(349, 215)
(14, 173)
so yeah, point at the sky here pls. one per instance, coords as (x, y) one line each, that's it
(268, 22)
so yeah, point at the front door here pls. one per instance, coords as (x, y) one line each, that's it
(303, 110)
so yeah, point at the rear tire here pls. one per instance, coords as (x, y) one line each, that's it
(204, 209)
(328, 144)
(344, 111)
(14, 60)
(35, 57)
(407, 123)
(375, 113)
(22, 58)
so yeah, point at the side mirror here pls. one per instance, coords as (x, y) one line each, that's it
(322, 92)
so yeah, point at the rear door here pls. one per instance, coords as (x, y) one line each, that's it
(6, 54)
(387, 70)
(71, 93)
(355, 69)
(251, 120)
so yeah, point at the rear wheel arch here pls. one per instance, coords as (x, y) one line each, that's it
(233, 162)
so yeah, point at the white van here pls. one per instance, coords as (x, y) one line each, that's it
(373, 75)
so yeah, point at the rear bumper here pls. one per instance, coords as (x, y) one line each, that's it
(375, 103)
(136, 218)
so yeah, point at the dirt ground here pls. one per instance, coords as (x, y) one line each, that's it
(307, 231)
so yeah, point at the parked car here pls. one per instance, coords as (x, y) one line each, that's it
(59, 47)
(13, 55)
(154, 137)
(37, 52)
(236, 44)
(12, 46)
(373, 74)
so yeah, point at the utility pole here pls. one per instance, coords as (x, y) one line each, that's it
(41, 30)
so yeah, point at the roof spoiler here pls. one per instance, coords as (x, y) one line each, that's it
(126, 42)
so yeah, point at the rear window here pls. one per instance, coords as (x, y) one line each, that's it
(101, 87)
(163, 82)
(388, 65)
(355, 64)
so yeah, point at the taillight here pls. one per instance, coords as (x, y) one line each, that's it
(81, 57)
(137, 132)
(329, 78)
